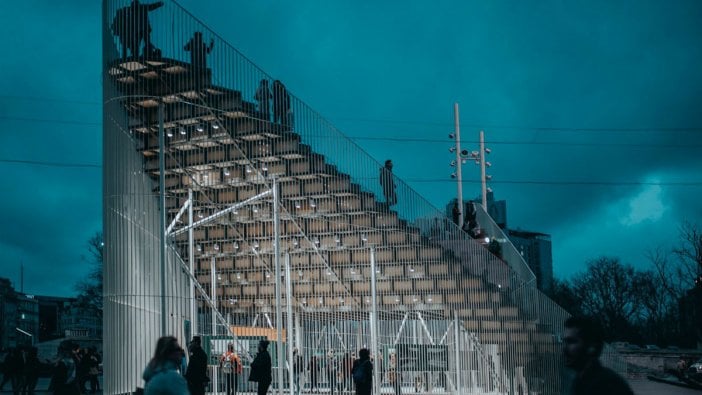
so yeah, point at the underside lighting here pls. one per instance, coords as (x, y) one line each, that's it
(321, 300)
(295, 242)
(169, 133)
(297, 204)
(182, 131)
(226, 171)
(236, 245)
(268, 275)
(215, 126)
(238, 276)
(200, 128)
(219, 277)
(248, 169)
(304, 300)
(216, 247)
(364, 237)
(255, 209)
(198, 248)
(232, 301)
(316, 240)
(429, 299)
(313, 203)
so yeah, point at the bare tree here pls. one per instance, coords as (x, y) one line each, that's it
(612, 292)
(689, 252)
(90, 289)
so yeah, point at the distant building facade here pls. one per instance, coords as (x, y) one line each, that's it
(19, 316)
(30, 319)
(535, 247)
(51, 311)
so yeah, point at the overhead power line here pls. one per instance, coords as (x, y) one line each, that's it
(449, 125)
(404, 139)
(58, 121)
(415, 122)
(50, 164)
(416, 180)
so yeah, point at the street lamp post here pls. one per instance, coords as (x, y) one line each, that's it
(462, 156)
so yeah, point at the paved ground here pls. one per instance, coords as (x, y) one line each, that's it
(648, 387)
(640, 387)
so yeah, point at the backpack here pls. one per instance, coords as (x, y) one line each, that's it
(359, 374)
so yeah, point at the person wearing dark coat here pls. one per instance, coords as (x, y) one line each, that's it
(583, 341)
(16, 371)
(131, 25)
(263, 96)
(313, 368)
(196, 373)
(364, 362)
(261, 368)
(31, 371)
(388, 184)
(65, 378)
(281, 104)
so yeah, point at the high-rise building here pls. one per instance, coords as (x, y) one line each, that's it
(535, 247)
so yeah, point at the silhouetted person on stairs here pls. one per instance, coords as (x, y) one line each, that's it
(198, 51)
(263, 96)
(131, 25)
(281, 104)
(388, 184)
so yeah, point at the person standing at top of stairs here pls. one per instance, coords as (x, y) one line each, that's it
(388, 184)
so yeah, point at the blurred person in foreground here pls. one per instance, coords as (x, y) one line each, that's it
(161, 374)
(583, 341)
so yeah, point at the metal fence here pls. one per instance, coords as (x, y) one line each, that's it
(235, 212)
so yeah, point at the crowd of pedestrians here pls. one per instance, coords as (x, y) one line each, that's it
(74, 370)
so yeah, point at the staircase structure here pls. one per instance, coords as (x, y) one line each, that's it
(215, 187)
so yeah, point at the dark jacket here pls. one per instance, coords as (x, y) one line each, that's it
(197, 367)
(365, 387)
(261, 368)
(597, 379)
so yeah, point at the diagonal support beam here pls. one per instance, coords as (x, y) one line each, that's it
(186, 205)
(402, 327)
(426, 330)
(224, 212)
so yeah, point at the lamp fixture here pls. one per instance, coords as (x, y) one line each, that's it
(200, 128)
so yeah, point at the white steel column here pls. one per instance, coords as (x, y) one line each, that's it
(278, 286)
(483, 178)
(191, 261)
(459, 177)
(374, 324)
(456, 339)
(213, 292)
(289, 323)
(162, 214)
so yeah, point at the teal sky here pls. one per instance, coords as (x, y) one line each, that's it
(529, 73)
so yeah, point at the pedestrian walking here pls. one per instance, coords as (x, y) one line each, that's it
(196, 374)
(161, 374)
(261, 368)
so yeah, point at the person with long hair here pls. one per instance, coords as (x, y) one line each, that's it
(161, 374)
